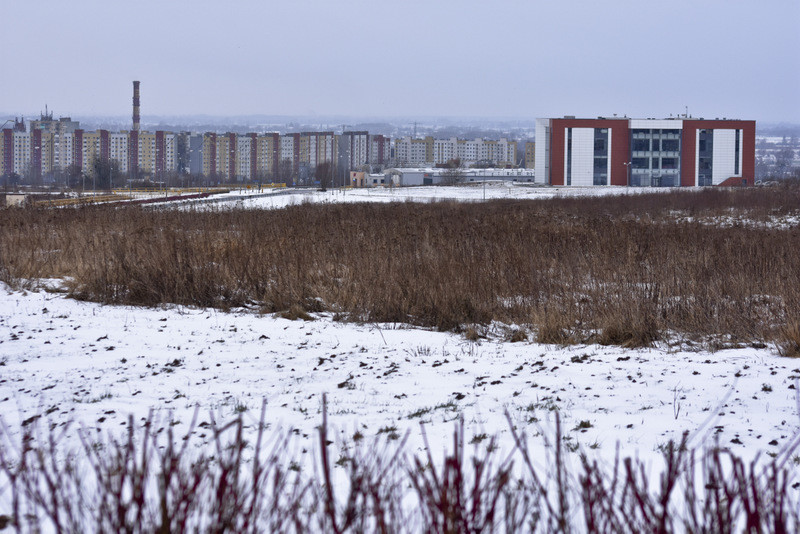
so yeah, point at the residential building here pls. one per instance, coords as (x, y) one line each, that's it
(530, 154)
(429, 152)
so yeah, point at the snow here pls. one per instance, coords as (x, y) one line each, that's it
(279, 198)
(96, 364)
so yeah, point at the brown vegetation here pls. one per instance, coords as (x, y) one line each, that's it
(621, 270)
(156, 481)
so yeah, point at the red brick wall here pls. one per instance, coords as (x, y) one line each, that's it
(747, 146)
(620, 147)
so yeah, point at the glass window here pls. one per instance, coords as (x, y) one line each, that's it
(655, 163)
(599, 145)
(641, 145)
(670, 145)
(702, 145)
(640, 163)
(601, 163)
(656, 145)
(669, 163)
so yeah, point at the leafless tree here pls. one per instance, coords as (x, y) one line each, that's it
(453, 172)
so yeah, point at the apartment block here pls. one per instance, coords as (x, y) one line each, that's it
(429, 151)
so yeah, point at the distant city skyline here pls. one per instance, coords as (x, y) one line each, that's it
(448, 59)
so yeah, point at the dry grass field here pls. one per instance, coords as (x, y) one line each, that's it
(717, 265)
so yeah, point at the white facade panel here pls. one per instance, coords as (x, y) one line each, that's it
(656, 124)
(582, 156)
(724, 156)
(696, 159)
(541, 164)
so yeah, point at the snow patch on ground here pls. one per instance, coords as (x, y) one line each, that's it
(96, 365)
(279, 198)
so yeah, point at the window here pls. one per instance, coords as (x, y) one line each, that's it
(640, 163)
(669, 163)
(641, 145)
(569, 156)
(656, 145)
(670, 145)
(655, 163)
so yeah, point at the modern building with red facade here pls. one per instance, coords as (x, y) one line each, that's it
(645, 152)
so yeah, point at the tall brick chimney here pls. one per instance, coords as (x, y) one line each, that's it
(136, 106)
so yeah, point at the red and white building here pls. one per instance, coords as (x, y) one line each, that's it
(645, 152)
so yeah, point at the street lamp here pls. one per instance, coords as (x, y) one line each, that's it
(628, 172)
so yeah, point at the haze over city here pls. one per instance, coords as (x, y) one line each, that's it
(408, 59)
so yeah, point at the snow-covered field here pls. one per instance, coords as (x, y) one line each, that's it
(279, 198)
(93, 364)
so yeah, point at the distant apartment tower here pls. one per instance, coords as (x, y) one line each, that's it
(357, 149)
(645, 152)
(429, 151)
(530, 154)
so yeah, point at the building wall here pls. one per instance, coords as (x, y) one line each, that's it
(618, 143)
(689, 155)
(118, 150)
(530, 155)
(6, 152)
(582, 153)
(731, 165)
(725, 159)
(542, 150)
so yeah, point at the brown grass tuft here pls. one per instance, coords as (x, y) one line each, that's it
(629, 330)
(789, 341)
(295, 312)
(518, 335)
(554, 329)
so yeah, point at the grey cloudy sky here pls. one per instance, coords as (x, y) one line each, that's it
(489, 58)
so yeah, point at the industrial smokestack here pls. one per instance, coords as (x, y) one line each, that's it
(135, 106)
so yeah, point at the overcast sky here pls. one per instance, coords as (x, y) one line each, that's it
(409, 58)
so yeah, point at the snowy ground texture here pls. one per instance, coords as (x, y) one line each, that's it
(279, 198)
(94, 365)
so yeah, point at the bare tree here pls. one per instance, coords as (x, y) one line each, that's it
(323, 174)
(453, 172)
(285, 171)
(106, 172)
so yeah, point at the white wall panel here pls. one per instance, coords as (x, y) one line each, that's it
(741, 140)
(696, 158)
(542, 152)
(657, 124)
(583, 156)
(724, 154)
